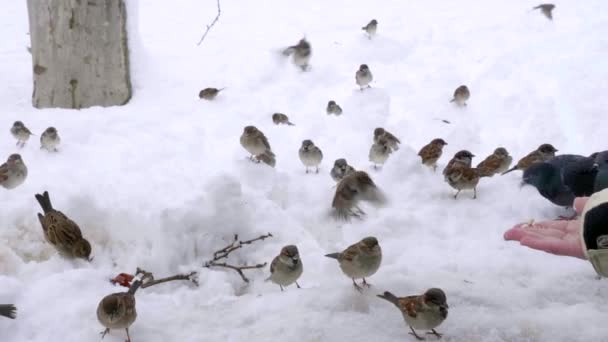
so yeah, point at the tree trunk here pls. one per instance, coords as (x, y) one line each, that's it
(79, 52)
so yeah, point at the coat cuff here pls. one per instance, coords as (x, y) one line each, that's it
(594, 232)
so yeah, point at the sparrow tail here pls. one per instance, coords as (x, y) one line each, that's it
(8, 310)
(509, 170)
(290, 124)
(268, 158)
(389, 297)
(452, 100)
(333, 255)
(45, 201)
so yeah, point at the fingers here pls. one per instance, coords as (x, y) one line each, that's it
(546, 228)
(579, 204)
(554, 245)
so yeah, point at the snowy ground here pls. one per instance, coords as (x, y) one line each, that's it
(162, 182)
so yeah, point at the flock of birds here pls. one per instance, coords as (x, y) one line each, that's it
(557, 178)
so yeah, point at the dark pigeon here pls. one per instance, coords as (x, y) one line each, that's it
(601, 179)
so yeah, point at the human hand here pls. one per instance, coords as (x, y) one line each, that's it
(561, 237)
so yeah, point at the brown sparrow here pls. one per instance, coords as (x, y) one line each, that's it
(62, 232)
(461, 95)
(13, 173)
(8, 310)
(21, 133)
(353, 188)
(364, 77)
(310, 155)
(286, 267)
(379, 152)
(209, 93)
(543, 153)
(333, 108)
(497, 162)
(255, 142)
(547, 10)
(431, 152)
(49, 140)
(341, 169)
(423, 312)
(360, 260)
(281, 119)
(117, 310)
(300, 53)
(461, 158)
(392, 140)
(371, 28)
(462, 177)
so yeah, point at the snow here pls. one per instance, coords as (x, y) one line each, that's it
(163, 182)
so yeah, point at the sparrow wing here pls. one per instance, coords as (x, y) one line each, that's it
(410, 305)
(265, 141)
(350, 253)
(489, 165)
(273, 264)
(3, 172)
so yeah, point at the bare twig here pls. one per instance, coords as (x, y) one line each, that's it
(148, 278)
(238, 269)
(209, 26)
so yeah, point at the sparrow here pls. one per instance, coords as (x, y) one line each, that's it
(62, 232)
(364, 77)
(286, 267)
(461, 95)
(546, 9)
(8, 310)
(543, 153)
(310, 155)
(353, 188)
(497, 162)
(117, 310)
(341, 169)
(209, 93)
(333, 108)
(281, 119)
(13, 173)
(255, 142)
(392, 140)
(461, 177)
(423, 312)
(461, 158)
(49, 140)
(431, 152)
(360, 261)
(300, 53)
(371, 28)
(379, 152)
(21, 133)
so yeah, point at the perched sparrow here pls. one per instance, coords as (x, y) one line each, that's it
(379, 152)
(341, 169)
(360, 260)
(209, 93)
(310, 155)
(371, 28)
(301, 53)
(547, 10)
(543, 153)
(281, 119)
(461, 95)
(117, 310)
(461, 158)
(286, 267)
(392, 140)
(353, 188)
(255, 142)
(497, 162)
(49, 140)
(62, 232)
(463, 178)
(431, 152)
(13, 172)
(333, 108)
(424, 312)
(364, 77)
(21, 133)
(8, 310)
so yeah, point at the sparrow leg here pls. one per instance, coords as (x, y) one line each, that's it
(103, 333)
(456, 196)
(317, 170)
(307, 169)
(298, 285)
(433, 332)
(420, 338)
(128, 337)
(357, 287)
(281, 286)
(474, 193)
(369, 86)
(366, 284)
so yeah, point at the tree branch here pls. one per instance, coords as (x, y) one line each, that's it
(148, 278)
(209, 26)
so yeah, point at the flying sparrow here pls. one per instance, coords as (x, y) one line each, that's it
(333, 108)
(310, 155)
(461, 158)
(117, 310)
(431, 152)
(353, 188)
(8, 310)
(461, 95)
(286, 267)
(341, 169)
(497, 162)
(49, 140)
(547, 10)
(62, 232)
(379, 152)
(543, 153)
(360, 260)
(300, 53)
(461, 177)
(209, 93)
(364, 77)
(423, 312)
(392, 140)
(21, 133)
(371, 28)
(255, 142)
(281, 119)
(13, 172)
